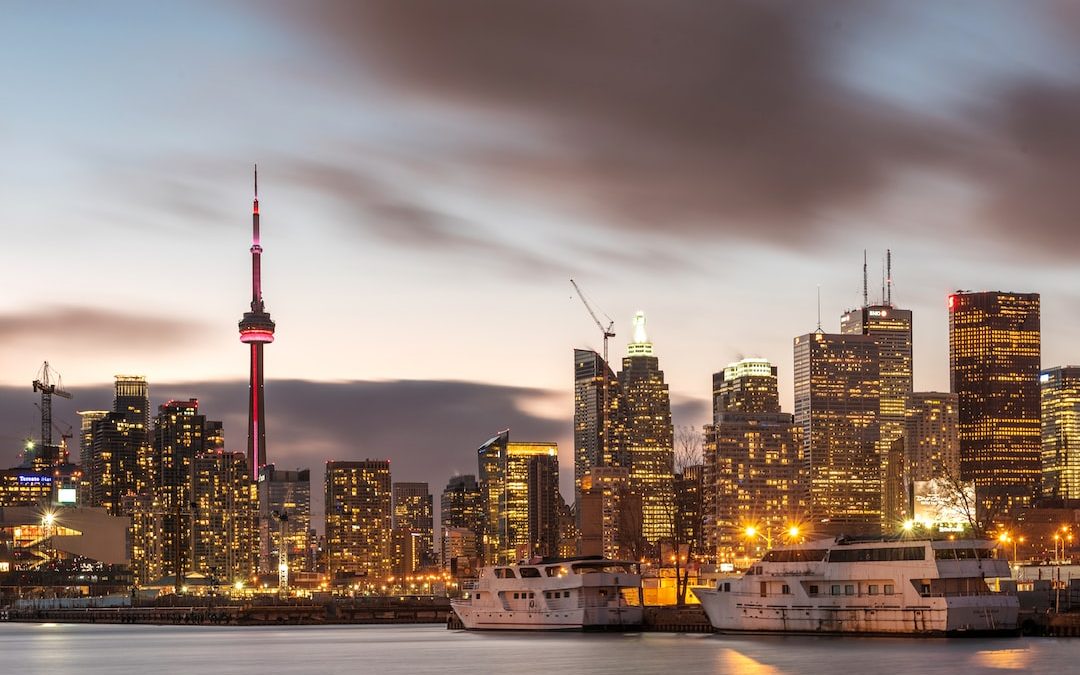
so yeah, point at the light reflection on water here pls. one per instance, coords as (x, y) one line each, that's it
(54, 649)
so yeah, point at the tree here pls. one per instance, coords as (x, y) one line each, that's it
(685, 520)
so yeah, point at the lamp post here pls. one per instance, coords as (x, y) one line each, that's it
(752, 532)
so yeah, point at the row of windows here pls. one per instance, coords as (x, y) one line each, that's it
(878, 554)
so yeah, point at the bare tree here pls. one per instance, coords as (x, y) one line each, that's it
(980, 507)
(685, 515)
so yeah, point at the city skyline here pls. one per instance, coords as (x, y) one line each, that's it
(388, 219)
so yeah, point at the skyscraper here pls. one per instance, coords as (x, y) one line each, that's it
(505, 486)
(256, 330)
(1060, 432)
(932, 436)
(994, 355)
(597, 417)
(110, 458)
(544, 504)
(836, 403)
(284, 493)
(358, 518)
(223, 526)
(890, 328)
(462, 504)
(414, 514)
(610, 515)
(649, 434)
(756, 470)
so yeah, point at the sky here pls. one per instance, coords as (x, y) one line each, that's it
(432, 175)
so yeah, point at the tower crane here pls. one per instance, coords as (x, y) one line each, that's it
(607, 332)
(48, 389)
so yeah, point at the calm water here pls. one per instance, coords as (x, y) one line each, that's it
(48, 649)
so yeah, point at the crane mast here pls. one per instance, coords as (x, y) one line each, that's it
(607, 332)
(48, 389)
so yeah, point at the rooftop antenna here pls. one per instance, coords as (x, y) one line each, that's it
(883, 282)
(888, 276)
(819, 308)
(865, 290)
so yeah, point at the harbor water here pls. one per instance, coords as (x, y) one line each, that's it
(98, 649)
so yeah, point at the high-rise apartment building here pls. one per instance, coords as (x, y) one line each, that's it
(544, 504)
(132, 400)
(836, 403)
(223, 517)
(890, 327)
(994, 357)
(462, 504)
(284, 499)
(597, 416)
(690, 507)
(932, 436)
(648, 434)
(509, 503)
(1060, 432)
(756, 467)
(358, 518)
(610, 515)
(414, 514)
(110, 459)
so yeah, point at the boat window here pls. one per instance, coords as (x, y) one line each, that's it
(531, 595)
(516, 596)
(555, 571)
(849, 589)
(964, 553)
(529, 572)
(727, 586)
(504, 573)
(889, 589)
(813, 589)
(566, 594)
(873, 589)
(836, 589)
(891, 554)
(796, 555)
(785, 589)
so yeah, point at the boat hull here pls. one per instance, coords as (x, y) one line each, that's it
(585, 618)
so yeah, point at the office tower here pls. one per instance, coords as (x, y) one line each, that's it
(414, 513)
(994, 352)
(544, 505)
(21, 487)
(358, 518)
(932, 436)
(86, 431)
(223, 520)
(890, 328)
(597, 417)
(256, 330)
(132, 400)
(284, 502)
(462, 504)
(610, 515)
(110, 459)
(1060, 389)
(756, 467)
(460, 551)
(690, 507)
(505, 486)
(649, 434)
(836, 404)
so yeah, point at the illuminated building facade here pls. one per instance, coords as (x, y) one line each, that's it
(932, 436)
(285, 493)
(509, 503)
(597, 435)
(756, 467)
(544, 504)
(610, 515)
(1060, 389)
(994, 357)
(414, 513)
(890, 327)
(223, 520)
(132, 400)
(648, 434)
(256, 331)
(358, 518)
(690, 507)
(462, 504)
(110, 459)
(20, 487)
(836, 404)
(460, 551)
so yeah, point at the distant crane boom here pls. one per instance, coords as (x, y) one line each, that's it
(608, 332)
(48, 389)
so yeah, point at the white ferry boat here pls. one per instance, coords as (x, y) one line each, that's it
(906, 587)
(578, 593)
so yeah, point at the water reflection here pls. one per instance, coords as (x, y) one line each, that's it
(732, 661)
(1003, 659)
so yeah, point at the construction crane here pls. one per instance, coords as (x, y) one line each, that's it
(65, 436)
(48, 389)
(607, 332)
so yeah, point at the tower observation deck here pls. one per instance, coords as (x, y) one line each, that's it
(256, 330)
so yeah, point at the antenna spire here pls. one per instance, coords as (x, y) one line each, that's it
(865, 291)
(818, 308)
(888, 276)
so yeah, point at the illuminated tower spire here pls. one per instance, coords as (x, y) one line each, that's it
(256, 329)
(639, 345)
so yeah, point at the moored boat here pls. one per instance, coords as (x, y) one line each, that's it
(570, 594)
(849, 586)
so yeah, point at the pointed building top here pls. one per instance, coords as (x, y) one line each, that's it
(639, 345)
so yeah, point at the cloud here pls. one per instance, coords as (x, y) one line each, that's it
(726, 121)
(95, 327)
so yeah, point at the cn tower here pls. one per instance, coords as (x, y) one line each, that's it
(256, 329)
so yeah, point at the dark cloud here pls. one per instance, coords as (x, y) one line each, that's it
(429, 430)
(714, 119)
(95, 327)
